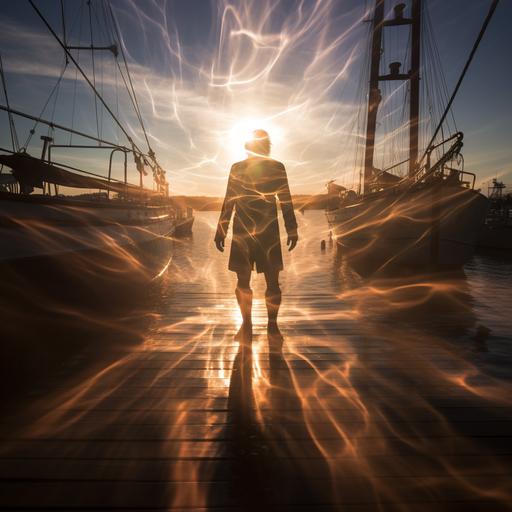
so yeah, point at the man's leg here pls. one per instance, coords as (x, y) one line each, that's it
(243, 294)
(272, 299)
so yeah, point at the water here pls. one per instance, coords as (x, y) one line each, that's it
(476, 299)
(468, 312)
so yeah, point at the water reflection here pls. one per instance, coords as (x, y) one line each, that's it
(441, 303)
(84, 306)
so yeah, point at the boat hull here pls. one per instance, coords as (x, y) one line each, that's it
(184, 226)
(496, 237)
(34, 227)
(86, 306)
(433, 226)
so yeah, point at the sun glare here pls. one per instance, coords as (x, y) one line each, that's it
(242, 131)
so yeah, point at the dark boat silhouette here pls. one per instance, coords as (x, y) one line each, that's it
(430, 215)
(42, 212)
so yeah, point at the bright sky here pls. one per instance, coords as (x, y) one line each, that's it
(206, 73)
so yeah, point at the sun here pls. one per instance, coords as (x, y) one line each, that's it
(242, 130)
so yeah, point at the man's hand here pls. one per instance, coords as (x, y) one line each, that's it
(219, 243)
(292, 241)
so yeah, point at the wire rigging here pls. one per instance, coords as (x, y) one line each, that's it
(435, 99)
(131, 89)
(62, 15)
(492, 9)
(12, 126)
(52, 92)
(76, 74)
(93, 69)
(56, 97)
(86, 78)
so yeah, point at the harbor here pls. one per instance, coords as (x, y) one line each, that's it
(255, 256)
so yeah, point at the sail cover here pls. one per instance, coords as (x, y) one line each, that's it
(32, 172)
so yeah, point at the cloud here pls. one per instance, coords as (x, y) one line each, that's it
(293, 69)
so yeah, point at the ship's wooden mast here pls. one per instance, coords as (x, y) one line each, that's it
(374, 96)
(415, 86)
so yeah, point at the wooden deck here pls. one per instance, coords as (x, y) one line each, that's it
(346, 416)
(385, 395)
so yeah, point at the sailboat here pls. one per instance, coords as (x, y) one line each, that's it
(42, 212)
(431, 216)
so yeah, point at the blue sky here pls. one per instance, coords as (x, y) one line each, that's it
(206, 72)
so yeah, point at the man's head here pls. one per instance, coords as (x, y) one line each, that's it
(259, 144)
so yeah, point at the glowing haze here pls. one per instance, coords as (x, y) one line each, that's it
(207, 73)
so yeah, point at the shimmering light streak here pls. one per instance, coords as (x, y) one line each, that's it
(257, 67)
(369, 384)
(348, 383)
(296, 63)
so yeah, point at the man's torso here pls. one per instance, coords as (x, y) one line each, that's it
(256, 182)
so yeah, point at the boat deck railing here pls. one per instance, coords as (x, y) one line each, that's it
(148, 159)
(113, 150)
(440, 169)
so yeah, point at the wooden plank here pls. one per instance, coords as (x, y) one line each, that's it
(168, 470)
(358, 429)
(341, 419)
(220, 448)
(169, 494)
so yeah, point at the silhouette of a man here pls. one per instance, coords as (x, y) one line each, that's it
(253, 186)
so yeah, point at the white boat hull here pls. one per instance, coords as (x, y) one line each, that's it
(432, 226)
(32, 228)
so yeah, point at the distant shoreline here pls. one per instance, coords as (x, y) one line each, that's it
(211, 203)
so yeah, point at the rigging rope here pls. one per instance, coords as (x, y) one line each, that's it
(158, 172)
(48, 26)
(50, 128)
(76, 74)
(360, 118)
(105, 35)
(63, 24)
(55, 87)
(12, 126)
(492, 9)
(117, 100)
(135, 102)
(93, 71)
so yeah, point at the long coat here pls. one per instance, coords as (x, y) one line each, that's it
(253, 186)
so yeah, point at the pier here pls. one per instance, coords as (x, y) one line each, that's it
(383, 393)
(128, 381)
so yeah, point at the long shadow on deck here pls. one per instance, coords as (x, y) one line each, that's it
(271, 452)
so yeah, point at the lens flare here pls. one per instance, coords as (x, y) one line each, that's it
(242, 132)
(384, 389)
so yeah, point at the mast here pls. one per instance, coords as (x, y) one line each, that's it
(488, 18)
(413, 76)
(12, 127)
(139, 155)
(414, 107)
(374, 96)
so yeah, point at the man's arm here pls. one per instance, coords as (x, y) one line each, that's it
(225, 213)
(285, 199)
